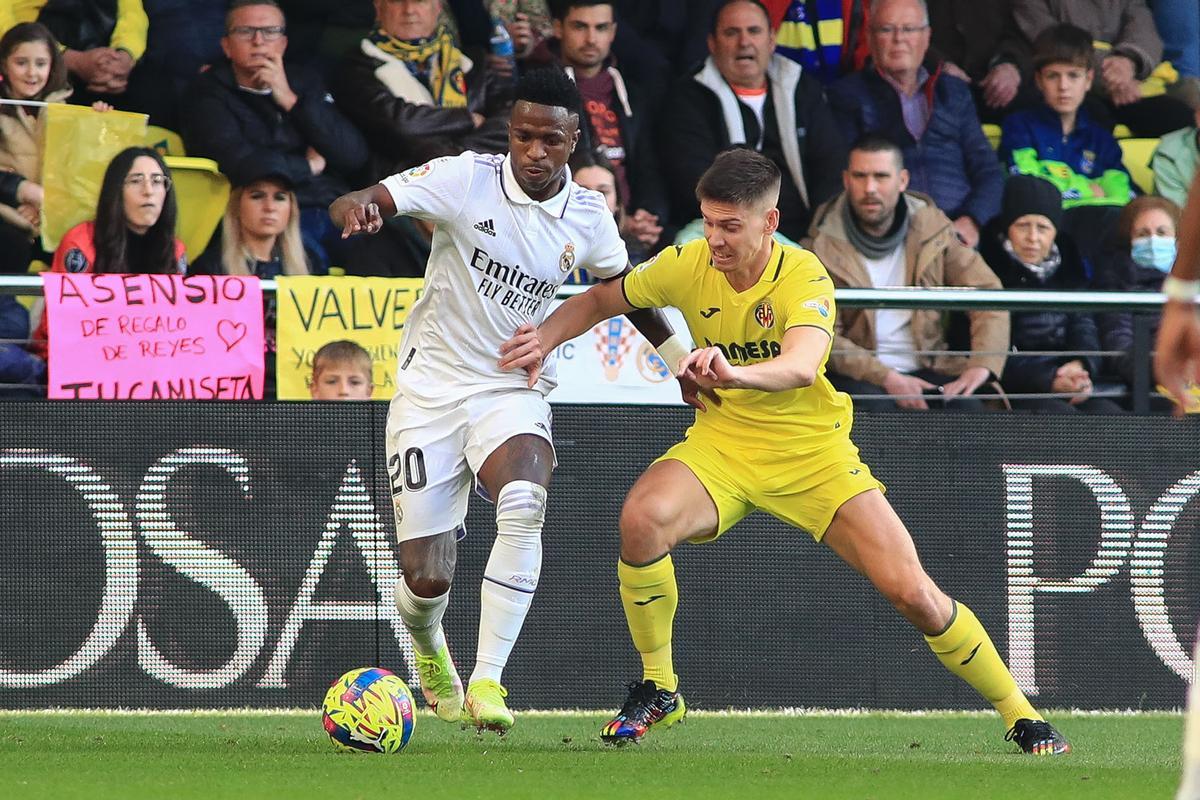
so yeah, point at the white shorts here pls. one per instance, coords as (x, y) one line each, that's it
(434, 453)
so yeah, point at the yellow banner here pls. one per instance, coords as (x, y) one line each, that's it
(313, 311)
(78, 143)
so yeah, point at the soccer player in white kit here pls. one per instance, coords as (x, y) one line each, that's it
(508, 231)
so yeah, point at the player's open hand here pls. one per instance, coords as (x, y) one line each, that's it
(355, 217)
(708, 368)
(524, 351)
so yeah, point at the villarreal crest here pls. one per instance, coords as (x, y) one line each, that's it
(765, 315)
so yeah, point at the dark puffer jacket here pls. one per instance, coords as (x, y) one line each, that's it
(1119, 273)
(952, 162)
(1049, 330)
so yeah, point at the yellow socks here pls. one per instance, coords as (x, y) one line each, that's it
(966, 650)
(650, 597)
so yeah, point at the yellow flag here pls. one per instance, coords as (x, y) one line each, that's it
(312, 311)
(77, 145)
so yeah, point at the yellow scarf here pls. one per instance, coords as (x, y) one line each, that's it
(435, 61)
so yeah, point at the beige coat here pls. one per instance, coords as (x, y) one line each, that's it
(934, 258)
(21, 148)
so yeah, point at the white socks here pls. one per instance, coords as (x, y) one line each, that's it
(511, 575)
(423, 618)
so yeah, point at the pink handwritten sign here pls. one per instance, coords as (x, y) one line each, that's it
(154, 337)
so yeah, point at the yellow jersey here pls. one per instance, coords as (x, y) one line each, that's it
(748, 327)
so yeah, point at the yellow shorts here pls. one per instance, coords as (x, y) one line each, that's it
(804, 491)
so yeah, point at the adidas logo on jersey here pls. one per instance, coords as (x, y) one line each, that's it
(486, 227)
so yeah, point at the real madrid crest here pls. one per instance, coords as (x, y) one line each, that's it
(566, 261)
(765, 315)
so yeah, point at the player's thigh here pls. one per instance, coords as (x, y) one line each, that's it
(508, 438)
(689, 494)
(869, 536)
(427, 468)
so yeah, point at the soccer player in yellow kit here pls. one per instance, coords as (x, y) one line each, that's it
(774, 435)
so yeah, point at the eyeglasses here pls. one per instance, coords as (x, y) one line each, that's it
(888, 31)
(156, 180)
(245, 33)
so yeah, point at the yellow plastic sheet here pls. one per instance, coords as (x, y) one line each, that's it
(79, 143)
(313, 311)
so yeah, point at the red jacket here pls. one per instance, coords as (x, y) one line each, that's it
(77, 253)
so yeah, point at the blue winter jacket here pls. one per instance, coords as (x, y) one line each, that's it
(952, 162)
(1085, 164)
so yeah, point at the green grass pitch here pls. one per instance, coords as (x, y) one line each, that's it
(867, 756)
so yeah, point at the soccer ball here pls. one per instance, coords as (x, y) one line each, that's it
(369, 710)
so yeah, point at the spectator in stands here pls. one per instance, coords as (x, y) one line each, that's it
(804, 34)
(618, 118)
(416, 95)
(134, 228)
(1141, 257)
(103, 40)
(592, 171)
(929, 113)
(1058, 140)
(528, 23)
(185, 36)
(260, 234)
(1127, 50)
(342, 371)
(32, 69)
(1178, 23)
(662, 40)
(1024, 249)
(252, 106)
(1175, 161)
(746, 95)
(981, 44)
(19, 369)
(875, 234)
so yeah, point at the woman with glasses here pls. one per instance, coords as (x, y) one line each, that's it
(134, 228)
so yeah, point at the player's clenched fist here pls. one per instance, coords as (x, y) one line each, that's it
(524, 351)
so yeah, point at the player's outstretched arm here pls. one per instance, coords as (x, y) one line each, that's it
(794, 368)
(1177, 351)
(362, 211)
(529, 345)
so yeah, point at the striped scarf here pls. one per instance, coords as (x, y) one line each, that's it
(434, 61)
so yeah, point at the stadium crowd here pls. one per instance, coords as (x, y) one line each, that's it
(873, 110)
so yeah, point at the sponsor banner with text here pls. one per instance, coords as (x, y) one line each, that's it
(225, 555)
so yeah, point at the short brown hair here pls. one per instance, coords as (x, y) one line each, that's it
(236, 4)
(741, 177)
(1062, 44)
(1137, 205)
(343, 351)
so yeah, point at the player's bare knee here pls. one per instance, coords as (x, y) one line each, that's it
(645, 527)
(428, 564)
(917, 601)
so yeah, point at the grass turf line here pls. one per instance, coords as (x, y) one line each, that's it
(858, 757)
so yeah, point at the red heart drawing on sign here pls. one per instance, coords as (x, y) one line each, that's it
(231, 333)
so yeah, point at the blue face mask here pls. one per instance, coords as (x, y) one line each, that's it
(1154, 251)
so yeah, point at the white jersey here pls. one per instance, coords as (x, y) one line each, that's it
(497, 260)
